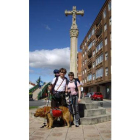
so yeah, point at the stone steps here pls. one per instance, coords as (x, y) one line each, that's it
(95, 119)
(94, 112)
(91, 112)
(91, 105)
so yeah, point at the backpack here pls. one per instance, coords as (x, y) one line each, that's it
(75, 81)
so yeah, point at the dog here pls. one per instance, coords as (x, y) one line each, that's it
(45, 113)
(66, 116)
(41, 112)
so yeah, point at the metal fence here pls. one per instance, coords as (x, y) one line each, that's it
(33, 89)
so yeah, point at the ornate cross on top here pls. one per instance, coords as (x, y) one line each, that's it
(74, 13)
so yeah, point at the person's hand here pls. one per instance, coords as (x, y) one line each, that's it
(79, 100)
(49, 87)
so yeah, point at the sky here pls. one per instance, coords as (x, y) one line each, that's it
(49, 37)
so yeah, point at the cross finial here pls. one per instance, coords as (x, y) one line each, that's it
(74, 12)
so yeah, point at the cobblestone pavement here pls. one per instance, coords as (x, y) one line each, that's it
(101, 131)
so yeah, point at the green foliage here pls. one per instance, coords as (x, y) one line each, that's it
(33, 107)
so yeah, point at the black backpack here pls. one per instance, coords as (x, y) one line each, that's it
(75, 81)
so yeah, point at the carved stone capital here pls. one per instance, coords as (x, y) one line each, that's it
(74, 33)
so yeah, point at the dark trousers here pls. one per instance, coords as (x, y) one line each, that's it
(74, 107)
(56, 102)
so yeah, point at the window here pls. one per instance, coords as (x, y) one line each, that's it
(93, 53)
(106, 71)
(109, 6)
(106, 55)
(90, 45)
(93, 42)
(93, 31)
(89, 77)
(105, 41)
(93, 76)
(99, 59)
(110, 21)
(99, 73)
(93, 64)
(89, 36)
(104, 14)
(105, 27)
(99, 47)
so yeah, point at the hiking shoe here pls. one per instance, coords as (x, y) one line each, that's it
(77, 125)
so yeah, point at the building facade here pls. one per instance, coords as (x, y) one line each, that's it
(96, 54)
(79, 66)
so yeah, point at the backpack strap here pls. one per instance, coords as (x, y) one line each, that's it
(67, 81)
(55, 83)
(75, 81)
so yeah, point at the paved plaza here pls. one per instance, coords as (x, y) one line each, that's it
(101, 131)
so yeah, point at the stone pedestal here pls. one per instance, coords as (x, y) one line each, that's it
(74, 35)
(73, 52)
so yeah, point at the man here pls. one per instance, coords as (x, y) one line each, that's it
(58, 89)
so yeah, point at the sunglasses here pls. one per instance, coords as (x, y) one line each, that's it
(63, 72)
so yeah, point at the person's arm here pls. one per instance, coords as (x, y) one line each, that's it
(66, 89)
(79, 91)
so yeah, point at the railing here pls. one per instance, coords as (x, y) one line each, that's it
(89, 61)
(40, 94)
(89, 70)
(33, 89)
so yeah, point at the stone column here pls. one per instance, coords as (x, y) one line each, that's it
(73, 52)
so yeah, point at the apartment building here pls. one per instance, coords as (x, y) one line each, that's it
(79, 66)
(96, 54)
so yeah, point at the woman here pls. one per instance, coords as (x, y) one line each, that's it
(75, 94)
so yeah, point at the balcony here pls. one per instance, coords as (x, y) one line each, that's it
(99, 52)
(99, 65)
(89, 40)
(98, 28)
(89, 71)
(100, 79)
(89, 53)
(99, 38)
(89, 61)
(89, 82)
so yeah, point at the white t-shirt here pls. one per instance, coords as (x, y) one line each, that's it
(63, 85)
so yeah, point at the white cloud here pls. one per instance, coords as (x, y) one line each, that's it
(31, 71)
(50, 59)
(47, 27)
